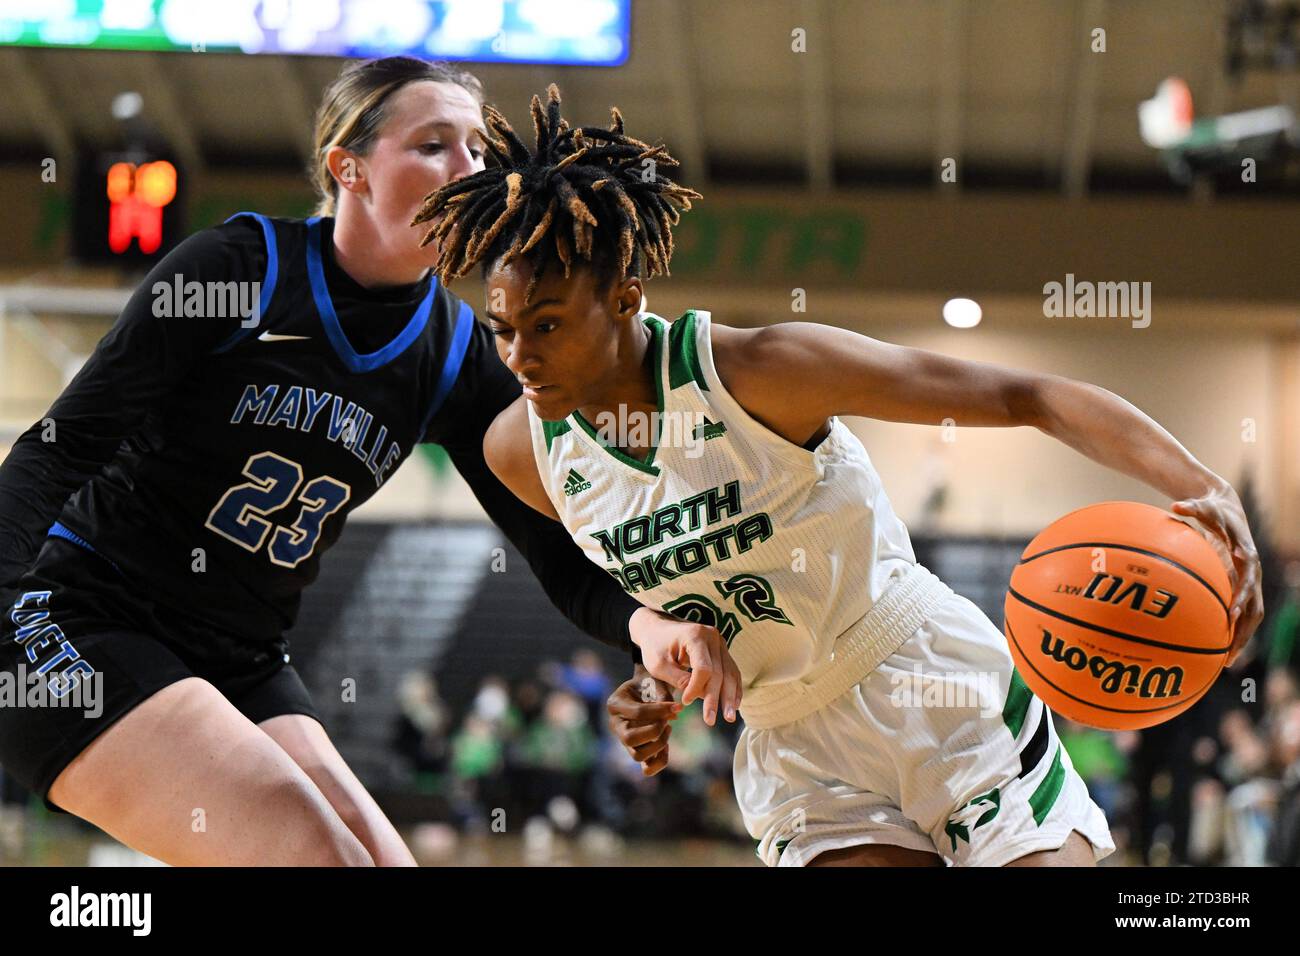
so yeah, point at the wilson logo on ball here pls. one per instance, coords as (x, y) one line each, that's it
(1116, 676)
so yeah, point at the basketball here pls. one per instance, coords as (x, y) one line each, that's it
(1117, 615)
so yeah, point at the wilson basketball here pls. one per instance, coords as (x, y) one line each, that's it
(1117, 615)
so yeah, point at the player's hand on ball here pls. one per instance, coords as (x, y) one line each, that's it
(689, 656)
(1221, 513)
(641, 711)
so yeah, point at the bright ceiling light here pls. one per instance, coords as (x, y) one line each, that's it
(962, 313)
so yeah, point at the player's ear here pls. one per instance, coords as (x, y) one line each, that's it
(347, 168)
(629, 297)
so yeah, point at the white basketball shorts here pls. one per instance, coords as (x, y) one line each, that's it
(942, 748)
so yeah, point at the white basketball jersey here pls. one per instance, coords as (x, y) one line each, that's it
(727, 523)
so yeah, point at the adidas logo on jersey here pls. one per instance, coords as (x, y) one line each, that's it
(575, 483)
(709, 429)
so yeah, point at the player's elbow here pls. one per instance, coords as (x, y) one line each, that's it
(1033, 399)
(1022, 400)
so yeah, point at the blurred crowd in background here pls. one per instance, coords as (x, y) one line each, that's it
(540, 750)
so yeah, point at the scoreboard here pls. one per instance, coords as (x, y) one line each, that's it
(579, 32)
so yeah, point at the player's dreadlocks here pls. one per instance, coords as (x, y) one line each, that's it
(585, 192)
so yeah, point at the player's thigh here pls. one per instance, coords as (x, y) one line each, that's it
(1076, 851)
(876, 855)
(186, 778)
(306, 742)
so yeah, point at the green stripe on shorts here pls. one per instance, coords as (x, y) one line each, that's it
(1019, 697)
(1044, 798)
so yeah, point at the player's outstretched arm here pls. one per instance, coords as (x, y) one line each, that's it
(797, 374)
(793, 376)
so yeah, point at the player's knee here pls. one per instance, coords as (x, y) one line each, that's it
(344, 849)
(1075, 851)
(385, 848)
(347, 849)
(355, 822)
(329, 847)
(876, 854)
(349, 811)
(324, 838)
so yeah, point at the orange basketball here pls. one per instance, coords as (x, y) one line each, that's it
(1117, 615)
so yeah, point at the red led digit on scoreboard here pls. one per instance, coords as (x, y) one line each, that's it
(137, 196)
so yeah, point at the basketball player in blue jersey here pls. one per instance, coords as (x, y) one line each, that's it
(705, 468)
(158, 527)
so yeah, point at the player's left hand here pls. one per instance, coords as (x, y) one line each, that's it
(1221, 512)
(641, 712)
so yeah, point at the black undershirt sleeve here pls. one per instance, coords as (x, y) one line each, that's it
(131, 370)
(584, 593)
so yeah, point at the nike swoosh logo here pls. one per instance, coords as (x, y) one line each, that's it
(272, 337)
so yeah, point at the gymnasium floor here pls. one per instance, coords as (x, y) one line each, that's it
(38, 838)
(43, 839)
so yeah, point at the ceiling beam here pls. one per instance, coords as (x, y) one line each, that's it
(1076, 163)
(815, 65)
(297, 109)
(688, 146)
(22, 78)
(1213, 100)
(164, 109)
(948, 125)
(1055, 103)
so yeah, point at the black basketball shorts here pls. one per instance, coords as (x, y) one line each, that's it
(76, 654)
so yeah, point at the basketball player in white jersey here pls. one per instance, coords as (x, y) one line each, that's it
(706, 469)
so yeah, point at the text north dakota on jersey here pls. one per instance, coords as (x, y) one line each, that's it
(690, 514)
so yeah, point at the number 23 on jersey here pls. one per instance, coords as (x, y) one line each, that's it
(240, 515)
